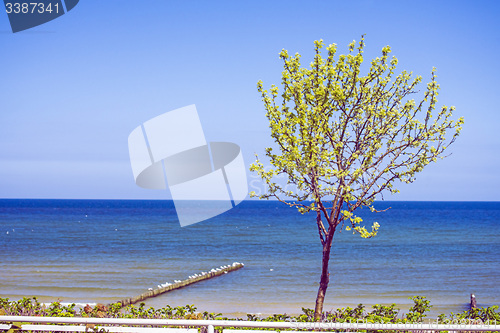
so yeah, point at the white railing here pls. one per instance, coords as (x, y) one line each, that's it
(80, 324)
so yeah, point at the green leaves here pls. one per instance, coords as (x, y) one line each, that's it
(342, 138)
(417, 312)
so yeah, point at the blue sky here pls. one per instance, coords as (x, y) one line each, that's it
(73, 89)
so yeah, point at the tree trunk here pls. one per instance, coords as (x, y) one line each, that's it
(325, 277)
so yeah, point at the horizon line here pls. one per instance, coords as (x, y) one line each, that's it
(256, 200)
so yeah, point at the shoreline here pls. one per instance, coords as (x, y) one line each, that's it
(265, 309)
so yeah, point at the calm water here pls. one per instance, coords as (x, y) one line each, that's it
(105, 250)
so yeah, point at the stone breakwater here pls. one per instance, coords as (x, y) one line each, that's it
(177, 284)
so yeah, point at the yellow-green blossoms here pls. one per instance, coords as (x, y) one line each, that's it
(342, 139)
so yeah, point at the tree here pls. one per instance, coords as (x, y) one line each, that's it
(344, 139)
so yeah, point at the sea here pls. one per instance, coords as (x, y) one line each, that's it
(102, 251)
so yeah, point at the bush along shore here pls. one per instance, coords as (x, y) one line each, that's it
(378, 313)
